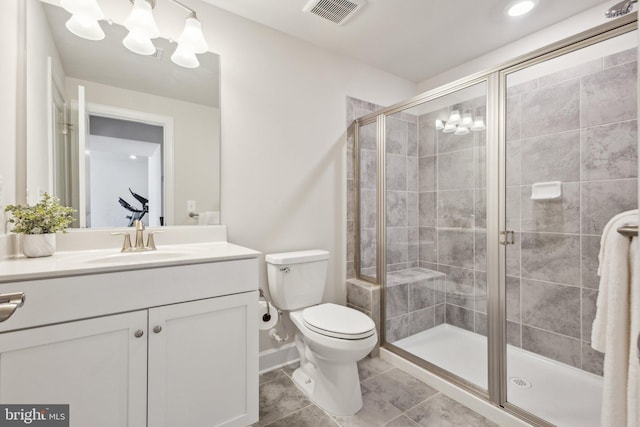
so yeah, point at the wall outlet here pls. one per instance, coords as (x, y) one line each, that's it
(191, 205)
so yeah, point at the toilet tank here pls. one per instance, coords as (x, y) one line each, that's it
(297, 279)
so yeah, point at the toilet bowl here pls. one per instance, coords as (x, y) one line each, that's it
(329, 352)
(331, 338)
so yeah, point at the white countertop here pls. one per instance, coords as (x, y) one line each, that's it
(75, 263)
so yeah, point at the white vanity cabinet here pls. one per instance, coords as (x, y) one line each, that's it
(159, 347)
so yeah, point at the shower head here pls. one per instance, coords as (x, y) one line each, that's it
(620, 9)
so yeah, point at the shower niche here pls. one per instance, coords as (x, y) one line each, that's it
(483, 284)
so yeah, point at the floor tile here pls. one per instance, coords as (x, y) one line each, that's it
(371, 366)
(375, 412)
(442, 411)
(311, 416)
(399, 388)
(401, 421)
(270, 376)
(279, 398)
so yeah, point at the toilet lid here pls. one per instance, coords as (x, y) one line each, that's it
(338, 321)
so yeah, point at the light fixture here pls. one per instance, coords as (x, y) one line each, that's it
(521, 7)
(467, 120)
(185, 58)
(461, 124)
(142, 29)
(449, 128)
(478, 124)
(454, 117)
(133, 157)
(85, 15)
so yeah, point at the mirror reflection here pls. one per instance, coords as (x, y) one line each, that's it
(117, 135)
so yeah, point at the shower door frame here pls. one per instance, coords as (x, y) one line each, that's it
(495, 79)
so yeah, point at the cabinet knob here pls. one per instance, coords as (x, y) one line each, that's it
(157, 329)
(138, 333)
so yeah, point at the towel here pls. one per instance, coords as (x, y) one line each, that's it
(617, 323)
(209, 218)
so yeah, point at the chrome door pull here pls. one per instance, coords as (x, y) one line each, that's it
(9, 303)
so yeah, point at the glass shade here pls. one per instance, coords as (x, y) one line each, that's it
(85, 27)
(478, 124)
(439, 124)
(88, 9)
(139, 43)
(462, 130)
(192, 37)
(185, 58)
(449, 128)
(454, 118)
(141, 21)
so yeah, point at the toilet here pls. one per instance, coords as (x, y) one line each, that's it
(331, 338)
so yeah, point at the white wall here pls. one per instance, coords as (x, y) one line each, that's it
(8, 89)
(39, 47)
(567, 28)
(195, 146)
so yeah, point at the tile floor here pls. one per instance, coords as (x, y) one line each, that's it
(391, 398)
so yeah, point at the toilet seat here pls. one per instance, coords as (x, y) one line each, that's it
(338, 321)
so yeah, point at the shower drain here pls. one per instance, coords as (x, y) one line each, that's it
(520, 382)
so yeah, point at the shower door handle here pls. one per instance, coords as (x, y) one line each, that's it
(509, 237)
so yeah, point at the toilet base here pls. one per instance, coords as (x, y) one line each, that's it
(334, 388)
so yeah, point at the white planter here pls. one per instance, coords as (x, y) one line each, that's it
(38, 245)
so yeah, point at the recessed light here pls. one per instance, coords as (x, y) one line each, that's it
(133, 157)
(521, 7)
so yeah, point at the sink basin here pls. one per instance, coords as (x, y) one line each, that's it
(139, 257)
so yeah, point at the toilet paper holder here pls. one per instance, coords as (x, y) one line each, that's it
(267, 316)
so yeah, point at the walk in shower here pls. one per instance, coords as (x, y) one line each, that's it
(479, 209)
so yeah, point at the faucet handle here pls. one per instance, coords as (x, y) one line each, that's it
(151, 243)
(126, 245)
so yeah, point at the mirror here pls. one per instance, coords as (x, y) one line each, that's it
(116, 134)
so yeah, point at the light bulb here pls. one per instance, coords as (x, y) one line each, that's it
(520, 8)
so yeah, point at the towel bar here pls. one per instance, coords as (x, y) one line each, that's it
(628, 230)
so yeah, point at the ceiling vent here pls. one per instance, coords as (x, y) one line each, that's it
(336, 11)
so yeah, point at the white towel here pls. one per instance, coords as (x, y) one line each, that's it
(617, 322)
(209, 218)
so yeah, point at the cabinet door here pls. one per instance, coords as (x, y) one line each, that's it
(203, 363)
(97, 366)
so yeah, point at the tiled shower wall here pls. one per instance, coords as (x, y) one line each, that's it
(577, 126)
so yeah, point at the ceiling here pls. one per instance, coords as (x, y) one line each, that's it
(412, 39)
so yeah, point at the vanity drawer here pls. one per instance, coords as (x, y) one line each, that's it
(63, 299)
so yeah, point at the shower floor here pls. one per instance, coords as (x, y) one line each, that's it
(559, 393)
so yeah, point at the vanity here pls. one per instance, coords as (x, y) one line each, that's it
(162, 338)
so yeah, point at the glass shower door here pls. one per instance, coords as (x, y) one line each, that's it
(571, 165)
(435, 291)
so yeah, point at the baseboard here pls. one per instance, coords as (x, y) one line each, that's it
(278, 357)
(471, 401)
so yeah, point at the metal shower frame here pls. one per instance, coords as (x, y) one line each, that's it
(495, 79)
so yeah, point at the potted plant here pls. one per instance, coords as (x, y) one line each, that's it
(38, 224)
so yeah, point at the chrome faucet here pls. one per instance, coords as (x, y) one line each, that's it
(139, 242)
